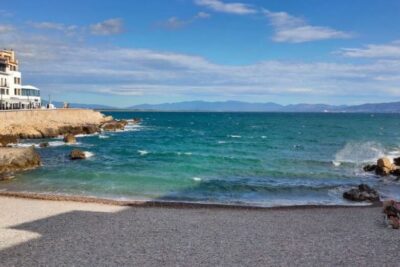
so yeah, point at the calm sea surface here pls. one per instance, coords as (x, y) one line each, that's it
(236, 158)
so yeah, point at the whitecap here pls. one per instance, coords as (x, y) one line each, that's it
(102, 136)
(86, 135)
(235, 136)
(221, 142)
(88, 154)
(196, 179)
(336, 163)
(263, 137)
(143, 152)
(57, 143)
(360, 153)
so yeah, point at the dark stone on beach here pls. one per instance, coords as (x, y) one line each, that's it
(44, 144)
(8, 139)
(77, 154)
(114, 125)
(362, 193)
(370, 167)
(396, 161)
(70, 139)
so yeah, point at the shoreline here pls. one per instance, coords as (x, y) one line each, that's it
(170, 204)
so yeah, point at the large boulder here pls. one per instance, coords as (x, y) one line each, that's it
(77, 154)
(384, 166)
(18, 159)
(69, 139)
(362, 193)
(8, 139)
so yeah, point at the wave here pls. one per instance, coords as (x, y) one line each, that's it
(143, 152)
(102, 136)
(88, 154)
(359, 153)
(235, 136)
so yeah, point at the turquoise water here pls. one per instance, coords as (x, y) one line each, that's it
(236, 158)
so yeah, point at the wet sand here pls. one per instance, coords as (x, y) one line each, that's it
(54, 233)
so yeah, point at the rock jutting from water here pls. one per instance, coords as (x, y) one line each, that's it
(18, 159)
(384, 167)
(362, 193)
(69, 139)
(77, 154)
(114, 125)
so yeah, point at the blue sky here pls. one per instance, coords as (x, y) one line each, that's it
(123, 53)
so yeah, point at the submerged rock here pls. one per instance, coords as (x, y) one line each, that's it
(70, 139)
(8, 139)
(18, 159)
(44, 144)
(362, 193)
(77, 154)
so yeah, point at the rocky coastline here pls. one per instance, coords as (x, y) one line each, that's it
(46, 124)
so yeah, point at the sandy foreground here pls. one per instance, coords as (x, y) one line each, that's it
(59, 233)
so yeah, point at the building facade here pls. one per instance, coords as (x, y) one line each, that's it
(13, 95)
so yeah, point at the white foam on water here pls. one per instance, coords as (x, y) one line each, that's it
(359, 153)
(196, 179)
(88, 154)
(143, 152)
(235, 136)
(25, 145)
(86, 135)
(102, 136)
(336, 163)
(263, 137)
(221, 142)
(184, 153)
(56, 143)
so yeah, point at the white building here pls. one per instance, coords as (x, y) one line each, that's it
(12, 94)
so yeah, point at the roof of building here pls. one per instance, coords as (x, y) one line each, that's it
(29, 87)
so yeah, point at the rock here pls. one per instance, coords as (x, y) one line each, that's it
(77, 154)
(18, 159)
(370, 168)
(384, 166)
(396, 161)
(90, 129)
(395, 172)
(70, 139)
(8, 139)
(362, 193)
(114, 125)
(44, 144)
(6, 176)
(136, 120)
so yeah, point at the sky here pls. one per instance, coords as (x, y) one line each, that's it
(123, 53)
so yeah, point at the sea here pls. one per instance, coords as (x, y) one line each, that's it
(254, 159)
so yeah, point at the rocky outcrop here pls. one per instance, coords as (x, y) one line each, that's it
(114, 125)
(362, 193)
(18, 159)
(77, 154)
(8, 139)
(69, 139)
(396, 161)
(383, 167)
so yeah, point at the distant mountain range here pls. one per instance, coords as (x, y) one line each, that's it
(238, 106)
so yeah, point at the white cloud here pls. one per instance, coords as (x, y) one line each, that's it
(5, 28)
(75, 67)
(107, 27)
(391, 50)
(232, 8)
(292, 29)
(176, 23)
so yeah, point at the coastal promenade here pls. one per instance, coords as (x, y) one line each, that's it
(59, 233)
